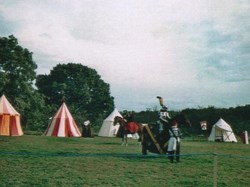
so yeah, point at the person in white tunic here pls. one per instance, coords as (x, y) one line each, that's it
(174, 143)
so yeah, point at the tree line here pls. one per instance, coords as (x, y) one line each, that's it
(237, 117)
(37, 97)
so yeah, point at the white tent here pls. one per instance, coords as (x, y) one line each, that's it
(107, 128)
(222, 131)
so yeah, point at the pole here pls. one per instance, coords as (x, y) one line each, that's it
(215, 169)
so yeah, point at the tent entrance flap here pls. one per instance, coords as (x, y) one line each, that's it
(5, 126)
(227, 136)
(10, 124)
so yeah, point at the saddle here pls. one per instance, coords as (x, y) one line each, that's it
(132, 127)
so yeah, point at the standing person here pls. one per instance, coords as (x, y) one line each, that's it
(86, 129)
(174, 142)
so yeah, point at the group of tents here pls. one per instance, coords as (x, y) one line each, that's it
(62, 124)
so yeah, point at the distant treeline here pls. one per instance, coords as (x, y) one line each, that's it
(238, 118)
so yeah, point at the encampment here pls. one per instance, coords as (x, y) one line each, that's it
(107, 128)
(63, 124)
(10, 124)
(222, 131)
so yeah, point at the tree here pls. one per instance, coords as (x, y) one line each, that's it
(86, 94)
(17, 69)
(17, 74)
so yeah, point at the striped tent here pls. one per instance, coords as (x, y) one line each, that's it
(10, 124)
(63, 124)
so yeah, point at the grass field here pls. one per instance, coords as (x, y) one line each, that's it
(47, 161)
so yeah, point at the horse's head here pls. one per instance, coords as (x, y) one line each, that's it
(117, 120)
(181, 120)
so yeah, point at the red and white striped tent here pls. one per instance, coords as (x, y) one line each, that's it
(63, 124)
(10, 124)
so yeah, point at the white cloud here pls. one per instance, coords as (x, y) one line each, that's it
(182, 50)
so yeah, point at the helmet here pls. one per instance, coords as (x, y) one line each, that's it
(164, 108)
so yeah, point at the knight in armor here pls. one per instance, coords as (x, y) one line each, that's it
(174, 142)
(163, 115)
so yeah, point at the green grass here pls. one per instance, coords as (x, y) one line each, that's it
(47, 161)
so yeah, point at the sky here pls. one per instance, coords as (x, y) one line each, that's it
(193, 53)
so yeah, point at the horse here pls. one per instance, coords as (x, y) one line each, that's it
(127, 128)
(155, 141)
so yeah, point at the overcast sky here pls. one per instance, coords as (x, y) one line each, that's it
(192, 53)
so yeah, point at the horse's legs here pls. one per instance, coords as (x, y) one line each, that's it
(123, 139)
(126, 139)
(140, 139)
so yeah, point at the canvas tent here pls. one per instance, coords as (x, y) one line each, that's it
(222, 131)
(107, 128)
(63, 124)
(10, 124)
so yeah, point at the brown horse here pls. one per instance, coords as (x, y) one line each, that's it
(128, 128)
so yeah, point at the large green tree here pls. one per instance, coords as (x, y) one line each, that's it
(17, 74)
(17, 69)
(82, 88)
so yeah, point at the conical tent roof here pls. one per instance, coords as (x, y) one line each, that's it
(6, 107)
(107, 128)
(113, 115)
(223, 125)
(10, 124)
(63, 124)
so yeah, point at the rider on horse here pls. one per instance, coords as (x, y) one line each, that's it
(129, 117)
(131, 125)
(163, 115)
(156, 137)
(173, 131)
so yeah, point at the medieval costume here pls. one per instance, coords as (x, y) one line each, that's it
(86, 129)
(174, 143)
(163, 118)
